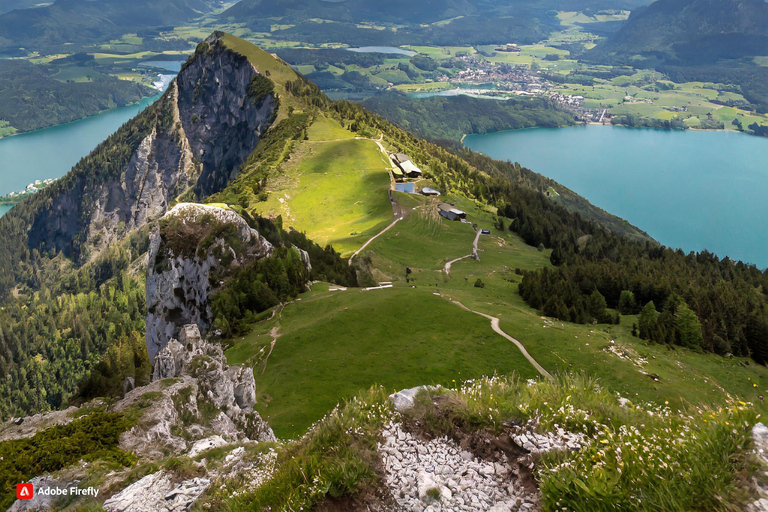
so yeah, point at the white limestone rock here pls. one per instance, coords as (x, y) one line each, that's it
(157, 493)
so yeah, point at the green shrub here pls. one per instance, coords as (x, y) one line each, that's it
(90, 438)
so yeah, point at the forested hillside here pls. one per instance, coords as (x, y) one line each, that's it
(454, 116)
(85, 22)
(705, 40)
(55, 101)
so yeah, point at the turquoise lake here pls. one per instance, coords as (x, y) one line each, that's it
(51, 153)
(690, 189)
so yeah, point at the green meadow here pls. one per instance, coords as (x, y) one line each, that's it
(334, 188)
(333, 343)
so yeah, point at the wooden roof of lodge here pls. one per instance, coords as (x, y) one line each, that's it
(397, 172)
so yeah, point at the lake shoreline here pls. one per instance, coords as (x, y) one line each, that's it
(97, 114)
(593, 123)
(693, 189)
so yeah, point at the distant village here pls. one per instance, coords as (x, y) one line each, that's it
(15, 197)
(517, 79)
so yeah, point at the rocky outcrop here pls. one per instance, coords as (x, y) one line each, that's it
(480, 472)
(158, 493)
(208, 399)
(437, 475)
(193, 139)
(191, 253)
(760, 441)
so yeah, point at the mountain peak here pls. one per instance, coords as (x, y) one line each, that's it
(189, 144)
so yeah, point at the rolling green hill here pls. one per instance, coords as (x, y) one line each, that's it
(86, 22)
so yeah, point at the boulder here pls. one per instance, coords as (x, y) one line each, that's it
(157, 493)
(404, 400)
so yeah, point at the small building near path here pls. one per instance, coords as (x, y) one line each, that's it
(447, 208)
(449, 215)
(410, 169)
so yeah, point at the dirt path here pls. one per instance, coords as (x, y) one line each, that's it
(447, 268)
(475, 256)
(374, 237)
(497, 329)
(275, 336)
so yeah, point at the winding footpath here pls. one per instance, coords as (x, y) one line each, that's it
(374, 237)
(447, 268)
(475, 256)
(495, 327)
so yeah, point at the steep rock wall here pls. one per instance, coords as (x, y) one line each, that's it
(222, 122)
(191, 253)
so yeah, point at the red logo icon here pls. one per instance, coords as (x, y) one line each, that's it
(24, 491)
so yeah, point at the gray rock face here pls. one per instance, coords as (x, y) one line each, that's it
(222, 123)
(193, 138)
(157, 493)
(180, 276)
(231, 389)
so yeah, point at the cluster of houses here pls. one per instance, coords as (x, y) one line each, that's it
(31, 188)
(404, 167)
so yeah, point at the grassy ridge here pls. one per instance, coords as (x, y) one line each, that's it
(334, 343)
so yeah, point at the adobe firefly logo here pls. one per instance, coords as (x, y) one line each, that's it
(24, 491)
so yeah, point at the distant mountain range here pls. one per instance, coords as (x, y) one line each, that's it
(691, 32)
(407, 12)
(432, 22)
(77, 21)
(696, 40)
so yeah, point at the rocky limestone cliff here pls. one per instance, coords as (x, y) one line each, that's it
(191, 253)
(197, 402)
(208, 398)
(222, 122)
(194, 138)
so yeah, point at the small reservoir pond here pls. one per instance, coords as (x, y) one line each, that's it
(690, 189)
